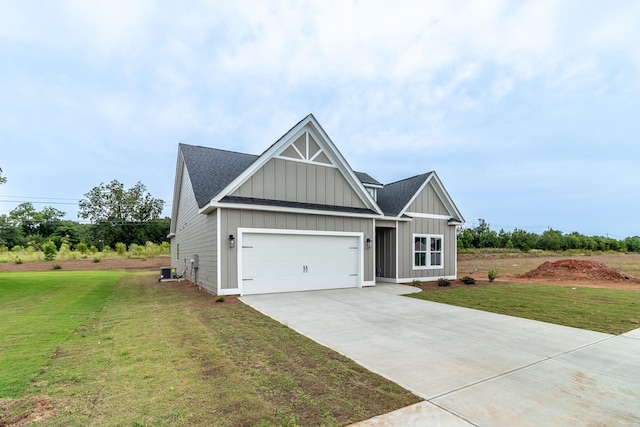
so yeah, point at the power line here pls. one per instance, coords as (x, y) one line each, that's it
(48, 200)
(43, 198)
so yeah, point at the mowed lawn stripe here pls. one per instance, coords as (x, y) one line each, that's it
(40, 311)
(169, 354)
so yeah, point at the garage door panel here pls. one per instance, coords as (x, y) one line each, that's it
(295, 262)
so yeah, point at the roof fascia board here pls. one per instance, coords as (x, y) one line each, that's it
(177, 186)
(212, 206)
(444, 194)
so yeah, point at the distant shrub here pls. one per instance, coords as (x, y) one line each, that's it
(82, 248)
(137, 249)
(96, 259)
(107, 249)
(467, 280)
(416, 282)
(93, 249)
(121, 248)
(57, 267)
(492, 275)
(50, 250)
(16, 248)
(18, 260)
(64, 250)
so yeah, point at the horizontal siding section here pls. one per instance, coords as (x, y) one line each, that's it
(292, 181)
(232, 219)
(195, 234)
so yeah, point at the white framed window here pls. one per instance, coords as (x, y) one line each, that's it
(428, 251)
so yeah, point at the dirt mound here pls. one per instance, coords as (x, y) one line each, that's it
(573, 269)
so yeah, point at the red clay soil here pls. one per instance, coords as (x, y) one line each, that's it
(573, 269)
(89, 264)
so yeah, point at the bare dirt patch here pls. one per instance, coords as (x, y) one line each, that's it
(25, 411)
(603, 270)
(573, 269)
(89, 264)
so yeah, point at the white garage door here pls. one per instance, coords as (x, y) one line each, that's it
(295, 262)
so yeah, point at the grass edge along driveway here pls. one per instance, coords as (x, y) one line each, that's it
(603, 310)
(167, 354)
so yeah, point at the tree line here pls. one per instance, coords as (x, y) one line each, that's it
(482, 236)
(115, 214)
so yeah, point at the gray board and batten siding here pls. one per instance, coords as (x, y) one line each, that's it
(292, 181)
(195, 234)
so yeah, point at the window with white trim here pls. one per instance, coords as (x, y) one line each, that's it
(427, 251)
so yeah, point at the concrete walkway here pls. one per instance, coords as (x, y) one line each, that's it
(471, 367)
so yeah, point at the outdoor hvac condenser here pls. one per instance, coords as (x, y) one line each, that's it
(167, 273)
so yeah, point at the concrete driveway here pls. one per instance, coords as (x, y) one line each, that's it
(471, 367)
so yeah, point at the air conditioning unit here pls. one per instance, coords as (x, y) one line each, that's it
(167, 273)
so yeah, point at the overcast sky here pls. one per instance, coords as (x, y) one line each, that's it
(529, 111)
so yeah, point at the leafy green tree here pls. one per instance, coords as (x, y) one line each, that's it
(112, 202)
(31, 221)
(524, 240)
(632, 244)
(119, 214)
(551, 240)
(10, 235)
(465, 238)
(3, 179)
(484, 237)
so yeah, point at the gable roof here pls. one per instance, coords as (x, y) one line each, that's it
(211, 170)
(394, 197)
(214, 174)
(309, 123)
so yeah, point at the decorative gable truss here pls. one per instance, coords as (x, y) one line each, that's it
(306, 149)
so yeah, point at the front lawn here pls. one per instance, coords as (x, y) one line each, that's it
(603, 310)
(117, 348)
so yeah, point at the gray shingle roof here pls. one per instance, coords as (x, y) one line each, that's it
(365, 178)
(211, 170)
(395, 196)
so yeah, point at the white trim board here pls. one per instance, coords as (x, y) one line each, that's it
(428, 216)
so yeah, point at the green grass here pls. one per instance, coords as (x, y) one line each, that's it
(39, 312)
(150, 354)
(603, 310)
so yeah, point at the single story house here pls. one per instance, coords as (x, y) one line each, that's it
(297, 217)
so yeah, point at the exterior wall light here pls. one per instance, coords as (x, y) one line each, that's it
(368, 243)
(232, 241)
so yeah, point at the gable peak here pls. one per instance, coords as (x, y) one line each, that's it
(307, 149)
